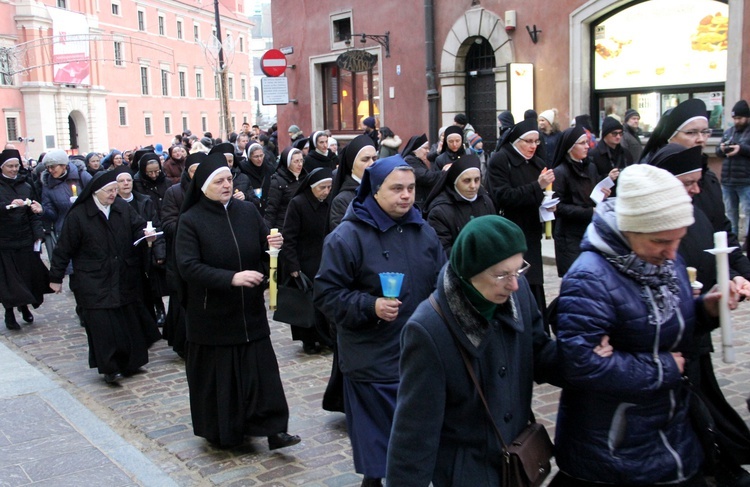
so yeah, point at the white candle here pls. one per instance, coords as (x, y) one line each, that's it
(722, 279)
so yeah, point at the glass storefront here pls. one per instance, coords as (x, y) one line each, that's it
(654, 54)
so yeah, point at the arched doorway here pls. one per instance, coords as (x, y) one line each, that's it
(78, 132)
(480, 90)
(72, 133)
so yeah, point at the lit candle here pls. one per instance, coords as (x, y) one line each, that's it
(74, 189)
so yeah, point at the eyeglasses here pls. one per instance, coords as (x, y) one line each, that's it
(696, 133)
(502, 277)
(616, 133)
(531, 142)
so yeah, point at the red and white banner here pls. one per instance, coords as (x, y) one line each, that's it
(70, 51)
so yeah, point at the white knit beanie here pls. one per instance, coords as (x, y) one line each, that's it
(548, 115)
(650, 200)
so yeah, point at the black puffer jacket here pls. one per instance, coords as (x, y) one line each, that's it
(606, 159)
(735, 170)
(283, 186)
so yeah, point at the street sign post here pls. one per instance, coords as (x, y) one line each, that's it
(273, 63)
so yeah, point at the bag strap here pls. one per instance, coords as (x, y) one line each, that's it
(304, 282)
(473, 376)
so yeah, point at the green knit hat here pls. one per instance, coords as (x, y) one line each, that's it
(484, 242)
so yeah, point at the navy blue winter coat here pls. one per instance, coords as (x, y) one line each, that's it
(348, 284)
(56, 193)
(625, 418)
(441, 432)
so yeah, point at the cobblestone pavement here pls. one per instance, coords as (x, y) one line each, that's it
(150, 411)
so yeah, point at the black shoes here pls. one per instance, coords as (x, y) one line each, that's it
(10, 320)
(282, 440)
(310, 348)
(26, 314)
(372, 482)
(112, 378)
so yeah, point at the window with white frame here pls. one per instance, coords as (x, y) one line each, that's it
(161, 25)
(196, 32)
(183, 83)
(230, 87)
(204, 123)
(122, 110)
(167, 124)
(216, 85)
(147, 124)
(179, 29)
(242, 44)
(184, 123)
(118, 53)
(62, 4)
(6, 78)
(144, 80)
(199, 85)
(341, 29)
(116, 8)
(11, 126)
(141, 20)
(243, 88)
(164, 82)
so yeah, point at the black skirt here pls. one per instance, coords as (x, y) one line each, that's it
(235, 391)
(175, 326)
(24, 279)
(119, 338)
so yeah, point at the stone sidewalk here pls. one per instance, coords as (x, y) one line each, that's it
(60, 424)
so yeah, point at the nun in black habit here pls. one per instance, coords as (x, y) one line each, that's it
(304, 232)
(319, 154)
(232, 372)
(732, 434)
(516, 179)
(357, 156)
(98, 237)
(415, 154)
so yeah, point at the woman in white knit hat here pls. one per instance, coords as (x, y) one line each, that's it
(549, 133)
(623, 420)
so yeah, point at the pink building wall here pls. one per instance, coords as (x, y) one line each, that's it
(44, 105)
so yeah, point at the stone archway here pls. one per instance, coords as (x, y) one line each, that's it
(78, 132)
(474, 23)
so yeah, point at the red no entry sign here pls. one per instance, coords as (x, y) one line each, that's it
(273, 63)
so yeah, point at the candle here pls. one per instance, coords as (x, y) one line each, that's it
(74, 189)
(721, 251)
(272, 281)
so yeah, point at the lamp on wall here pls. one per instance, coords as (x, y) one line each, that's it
(384, 40)
(363, 110)
(534, 34)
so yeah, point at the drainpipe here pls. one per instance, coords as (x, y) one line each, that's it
(432, 92)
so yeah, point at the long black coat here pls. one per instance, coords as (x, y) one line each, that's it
(304, 232)
(449, 213)
(283, 186)
(573, 185)
(170, 213)
(260, 181)
(20, 226)
(512, 184)
(212, 245)
(314, 160)
(106, 265)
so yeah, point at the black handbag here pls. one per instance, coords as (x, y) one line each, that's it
(526, 461)
(705, 427)
(294, 302)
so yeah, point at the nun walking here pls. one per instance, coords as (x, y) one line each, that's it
(357, 156)
(516, 179)
(98, 237)
(23, 277)
(232, 372)
(304, 232)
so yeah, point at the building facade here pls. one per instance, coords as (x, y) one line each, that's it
(596, 57)
(94, 75)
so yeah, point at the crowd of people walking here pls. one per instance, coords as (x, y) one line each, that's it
(425, 263)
